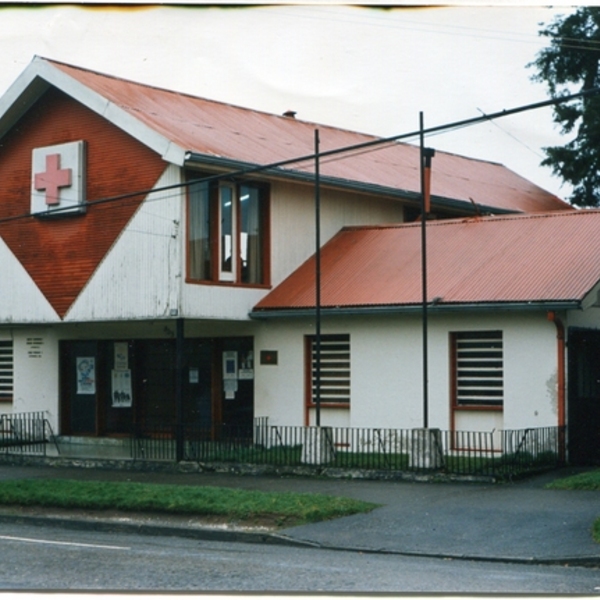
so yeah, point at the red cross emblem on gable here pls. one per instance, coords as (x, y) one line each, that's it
(57, 179)
(52, 179)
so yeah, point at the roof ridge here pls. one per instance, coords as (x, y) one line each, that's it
(322, 126)
(476, 219)
(212, 100)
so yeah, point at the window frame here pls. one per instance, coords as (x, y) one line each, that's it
(493, 382)
(216, 274)
(309, 341)
(7, 389)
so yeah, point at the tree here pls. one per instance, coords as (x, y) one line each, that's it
(571, 64)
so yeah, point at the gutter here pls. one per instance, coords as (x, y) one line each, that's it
(242, 168)
(415, 309)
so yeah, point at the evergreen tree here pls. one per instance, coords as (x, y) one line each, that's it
(568, 65)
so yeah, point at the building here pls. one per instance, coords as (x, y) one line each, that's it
(149, 235)
(513, 339)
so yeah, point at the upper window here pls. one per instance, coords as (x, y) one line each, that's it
(6, 370)
(330, 369)
(478, 369)
(227, 232)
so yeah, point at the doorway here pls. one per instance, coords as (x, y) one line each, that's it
(118, 387)
(583, 414)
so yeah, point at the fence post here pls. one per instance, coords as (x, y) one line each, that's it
(426, 449)
(317, 446)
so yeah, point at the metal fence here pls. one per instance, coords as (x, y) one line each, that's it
(25, 433)
(499, 454)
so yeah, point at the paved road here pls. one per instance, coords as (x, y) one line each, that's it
(45, 558)
(514, 522)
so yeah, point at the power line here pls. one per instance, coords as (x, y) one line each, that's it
(275, 166)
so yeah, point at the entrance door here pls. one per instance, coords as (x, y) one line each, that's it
(197, 384)
(237, 373)
(79, 375)
(584, 397)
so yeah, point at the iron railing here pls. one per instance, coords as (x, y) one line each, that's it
(25, 433)
(499, 454)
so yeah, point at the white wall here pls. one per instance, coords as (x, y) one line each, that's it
(36, 372)
(386, 364)
(140, 277)
(589, 319)
(21, 301)
(143, 274)
(292, 242)
(293, 221)
(386, 367)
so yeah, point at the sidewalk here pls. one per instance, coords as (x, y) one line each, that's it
(515, 522)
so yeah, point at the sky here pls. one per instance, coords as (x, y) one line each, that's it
(365, 69)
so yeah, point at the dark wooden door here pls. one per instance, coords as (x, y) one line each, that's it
(80, 388)
(583, 416)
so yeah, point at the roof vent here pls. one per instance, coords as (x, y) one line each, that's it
(290, 114)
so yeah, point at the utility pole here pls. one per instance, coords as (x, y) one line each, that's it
(317, 375)
(426, 154)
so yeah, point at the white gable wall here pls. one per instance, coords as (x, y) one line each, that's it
(21, 301)
(140, 277)
(293, 221)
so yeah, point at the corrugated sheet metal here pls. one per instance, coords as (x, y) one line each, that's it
(520, 258)
(221, 130)
(61, 254)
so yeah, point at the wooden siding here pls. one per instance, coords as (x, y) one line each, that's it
(60, 254)
(141, 276)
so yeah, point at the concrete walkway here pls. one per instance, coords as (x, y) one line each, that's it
(515, 522)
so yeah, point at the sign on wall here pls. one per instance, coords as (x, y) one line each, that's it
(58, 179)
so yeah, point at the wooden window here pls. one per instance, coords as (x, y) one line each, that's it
(6, 370)
(478, 369)
(334, 369)
(228, 239)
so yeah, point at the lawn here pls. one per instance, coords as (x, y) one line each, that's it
(590, 480)
(230, 505)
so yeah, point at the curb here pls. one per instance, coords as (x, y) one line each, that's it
(253, 537)
(239, 469)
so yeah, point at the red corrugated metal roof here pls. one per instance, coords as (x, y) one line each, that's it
(230, 132)
(552, 257)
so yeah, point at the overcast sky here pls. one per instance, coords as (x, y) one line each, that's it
(365, 69)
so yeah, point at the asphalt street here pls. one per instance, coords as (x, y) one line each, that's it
(511, 522)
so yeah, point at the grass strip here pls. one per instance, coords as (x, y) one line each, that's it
(590, 480)
(207, 501)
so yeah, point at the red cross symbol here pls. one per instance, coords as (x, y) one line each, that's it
(53, 179)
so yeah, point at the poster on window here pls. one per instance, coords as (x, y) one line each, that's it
(246, 370)
(121, 355)
(230, 365)
(86, 374)
(121, 388)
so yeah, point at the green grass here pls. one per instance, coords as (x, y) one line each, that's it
(589, 480)
(205, 501)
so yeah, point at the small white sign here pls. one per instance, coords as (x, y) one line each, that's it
(121, 355)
